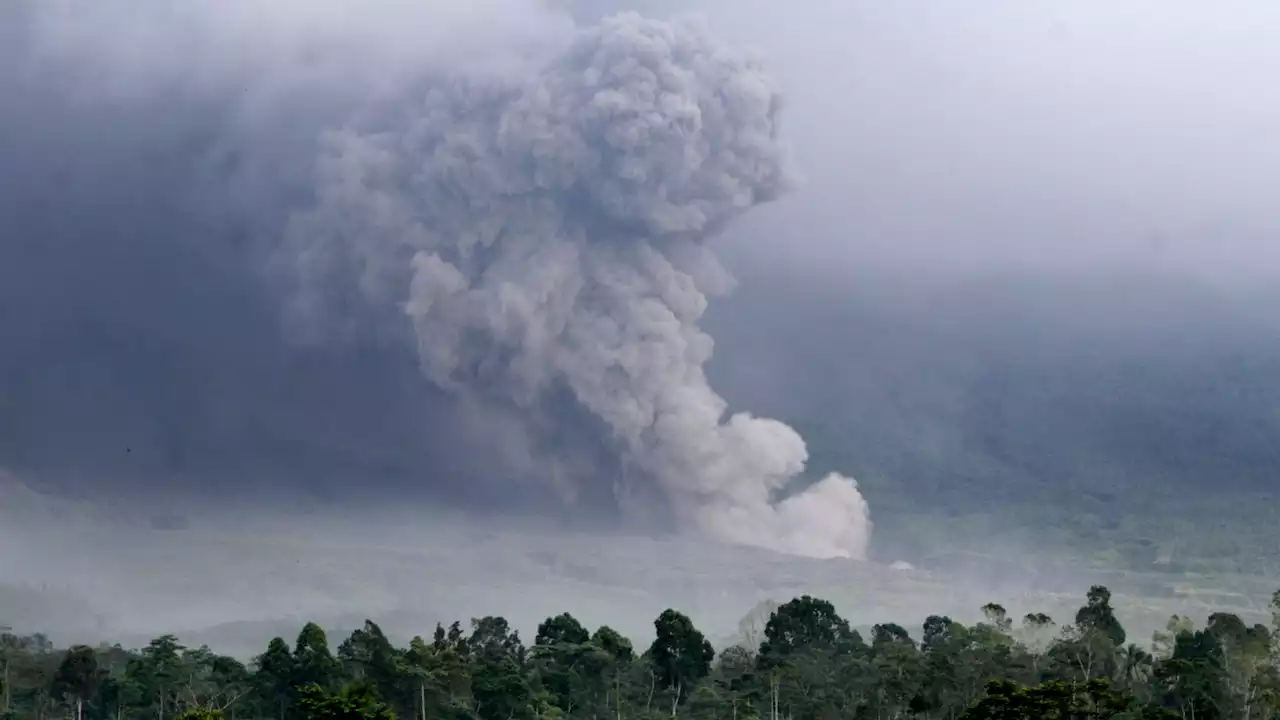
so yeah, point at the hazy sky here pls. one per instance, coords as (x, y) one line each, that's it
(948, 136)
(145, 154)
(934, 141)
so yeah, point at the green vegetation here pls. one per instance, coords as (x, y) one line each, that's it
(798, 660)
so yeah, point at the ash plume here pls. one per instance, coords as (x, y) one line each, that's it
(530, 223)
(548, 233)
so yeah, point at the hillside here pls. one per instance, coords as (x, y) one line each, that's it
(1132, 416)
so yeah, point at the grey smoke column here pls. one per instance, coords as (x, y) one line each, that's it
(546, 234)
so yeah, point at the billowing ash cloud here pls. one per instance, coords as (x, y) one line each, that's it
(546, 235)
(521, 206)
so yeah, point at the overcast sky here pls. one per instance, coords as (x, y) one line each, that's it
(1083, 135)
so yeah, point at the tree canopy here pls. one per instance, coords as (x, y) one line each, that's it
(807, 663)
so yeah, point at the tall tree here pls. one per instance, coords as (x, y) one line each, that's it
(11, 646)
(680, 655)
(561, 629)
(151, 679)
(313, 662)
(499, 682)
(1097, 616)
(273, 681)
(368, 654)
(570, 668)
(1089, 646)
(804, 623)
(78, 678)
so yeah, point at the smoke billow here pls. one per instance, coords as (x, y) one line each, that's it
(538, 232)
(548, 232)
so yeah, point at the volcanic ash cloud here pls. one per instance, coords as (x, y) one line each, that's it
(545, 235)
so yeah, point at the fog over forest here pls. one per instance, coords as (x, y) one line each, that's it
(326, 310)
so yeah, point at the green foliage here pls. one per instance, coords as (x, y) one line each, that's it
(1097, 616)
(357, 701)
(202, 714)
(809, 665)
(78, 677)
(273, 681)
(313, 663)
(1055, 700)
(805, 623)
(680, 655)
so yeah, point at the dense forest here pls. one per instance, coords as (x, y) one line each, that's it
(796, 660)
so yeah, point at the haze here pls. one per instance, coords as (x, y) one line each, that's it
(1017, 283)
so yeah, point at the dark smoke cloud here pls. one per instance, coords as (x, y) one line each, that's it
(530, 217)
(148, 159)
